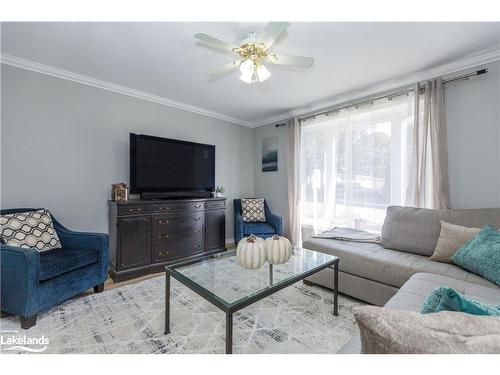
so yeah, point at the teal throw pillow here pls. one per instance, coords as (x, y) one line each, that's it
(481, 254)
(446, 298)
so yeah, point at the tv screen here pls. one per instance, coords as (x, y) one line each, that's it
(169, 165)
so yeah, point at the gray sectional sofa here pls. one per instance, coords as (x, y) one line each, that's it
(398, 273)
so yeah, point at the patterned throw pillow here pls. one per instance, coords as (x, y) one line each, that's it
(252, 210)
(32, 229)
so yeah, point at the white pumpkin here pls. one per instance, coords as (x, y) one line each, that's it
(278, 249)
(251, 252)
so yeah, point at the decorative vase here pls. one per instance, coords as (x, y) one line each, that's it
(218, 195)
(278, 249)
(251, 252)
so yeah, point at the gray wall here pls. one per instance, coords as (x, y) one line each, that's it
(473, 124)
(63, 144)
(271, 185)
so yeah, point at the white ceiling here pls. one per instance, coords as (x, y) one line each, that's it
(165, 60)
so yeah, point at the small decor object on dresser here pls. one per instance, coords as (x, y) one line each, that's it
(278, 249)
(33, 230)
(252, 210)
(219, 191)
(119, 192)
(251, 253)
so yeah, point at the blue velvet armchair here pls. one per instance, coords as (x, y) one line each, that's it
(33, 281)
(272, 226)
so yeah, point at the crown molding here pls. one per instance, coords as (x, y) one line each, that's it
(443, 70)
(465, 63)
(19, 62)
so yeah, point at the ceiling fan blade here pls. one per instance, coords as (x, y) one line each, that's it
(224, 68)
(298, 61)
(215, 41)
(272, 32)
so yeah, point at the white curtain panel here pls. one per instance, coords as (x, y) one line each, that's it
(293, 226)
(427, 175)
(353, 164)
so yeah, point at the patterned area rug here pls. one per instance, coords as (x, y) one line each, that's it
(129, 319)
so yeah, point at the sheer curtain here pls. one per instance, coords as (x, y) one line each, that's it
(353, 164)
(428, 184)
(293, 227)
(356, 161)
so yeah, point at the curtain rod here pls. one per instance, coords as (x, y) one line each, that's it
(389, 96)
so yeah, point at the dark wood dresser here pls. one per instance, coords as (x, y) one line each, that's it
(146, 235)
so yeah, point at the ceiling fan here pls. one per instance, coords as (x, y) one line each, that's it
(254, 53)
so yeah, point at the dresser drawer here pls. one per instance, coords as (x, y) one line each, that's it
(165, 253)
(179, 236)
(216, 204)
(179, 206)
(133, 210)
(167, 223)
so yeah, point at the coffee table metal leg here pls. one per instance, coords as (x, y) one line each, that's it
(167, 303)
(336, 289)
(229, 333)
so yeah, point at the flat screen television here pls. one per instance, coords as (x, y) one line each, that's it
(162, 167)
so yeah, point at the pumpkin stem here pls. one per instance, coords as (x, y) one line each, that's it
(251, 238)
(276, 237)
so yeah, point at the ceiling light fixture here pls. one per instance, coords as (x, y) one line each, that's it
(253, 71)
(254, 53)
(247, 70)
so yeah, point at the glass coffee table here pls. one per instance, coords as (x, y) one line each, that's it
(223, 282)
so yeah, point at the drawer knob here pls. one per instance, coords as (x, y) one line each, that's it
(197, 206)
(197, 218)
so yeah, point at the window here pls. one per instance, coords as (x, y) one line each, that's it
(353, 164)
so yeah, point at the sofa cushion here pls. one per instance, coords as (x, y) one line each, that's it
(451, 238)
(413, 293)
(253, 210)
(385, 331)
(416, 230)
(32, 230)
(56, 262)
(481, 254)
(258, 228)
(386, 266)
